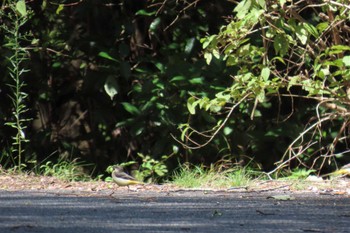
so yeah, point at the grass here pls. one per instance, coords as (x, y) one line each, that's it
(212, 178)
(66, 170)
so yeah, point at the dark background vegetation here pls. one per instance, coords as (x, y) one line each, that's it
(149, 53)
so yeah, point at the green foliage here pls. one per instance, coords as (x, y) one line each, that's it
(299, 174)
(198, 176)
(152, 170)
(283, 50)
(16, 17)
(109, 81)
(65, 170)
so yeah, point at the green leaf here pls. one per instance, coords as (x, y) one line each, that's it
(301, 33)
(35, 41)
(340, 47)
(322, 26)
(56, 64)
(131, 108)
(111, 86)
(262, 3)
(208, 40)
(178, 78)
(59, 9)
(208, 57)
(265, 73)
(281, 44)
(44, 5)
(160, 67)
(154, 25)
(197, 80)
(282, 2)
(261, 96)
(311, 29)
(184, 128)
(346, 60)
(21, 7)
(228, 130)
(175, 149)
(216, 53)
(242, 8)
(279, 59)
(189, 45)
(145, 13)
(191, 105)
(292, 81)
(215, 108)
(137, 129)
(107, 56)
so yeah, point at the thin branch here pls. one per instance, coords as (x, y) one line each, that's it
(217, 130)
(295, 140)
(338, 4)
(67, 4)
(183, 10)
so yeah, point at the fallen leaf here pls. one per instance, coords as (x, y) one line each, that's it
(281, 197)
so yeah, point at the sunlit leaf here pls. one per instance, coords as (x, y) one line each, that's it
(207, 41)
(311, 29)
(154, 25)
(265, 73)
(322, 26)
(107, 56)
(301, 33)
(216, 53)
(261, 96)
(191, 106)
(208, 57)
(131, 108)
(282, 2)
(346, 60)
(197, 80)
(228, 130)
(111, 86)
(21, 7)
(262, 3)
(242, 8)
(59, 8)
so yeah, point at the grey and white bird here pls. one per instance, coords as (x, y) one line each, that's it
(123, 179)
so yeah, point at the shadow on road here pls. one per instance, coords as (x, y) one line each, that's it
(33, 211)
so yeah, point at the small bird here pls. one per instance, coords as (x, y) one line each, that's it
(123, 179)
(343, 171)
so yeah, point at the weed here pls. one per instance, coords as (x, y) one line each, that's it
(66, 170)
(198, 176)
(150, 171)
(298, 174)
(17, 17)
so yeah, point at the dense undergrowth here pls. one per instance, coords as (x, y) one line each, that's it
(250, 85)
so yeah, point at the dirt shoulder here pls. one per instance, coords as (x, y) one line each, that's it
(13, 182)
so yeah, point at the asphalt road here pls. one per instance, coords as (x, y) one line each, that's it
(182, 211)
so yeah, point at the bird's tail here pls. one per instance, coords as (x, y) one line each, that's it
(135, 182)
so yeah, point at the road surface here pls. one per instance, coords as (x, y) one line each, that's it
(180, 211)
